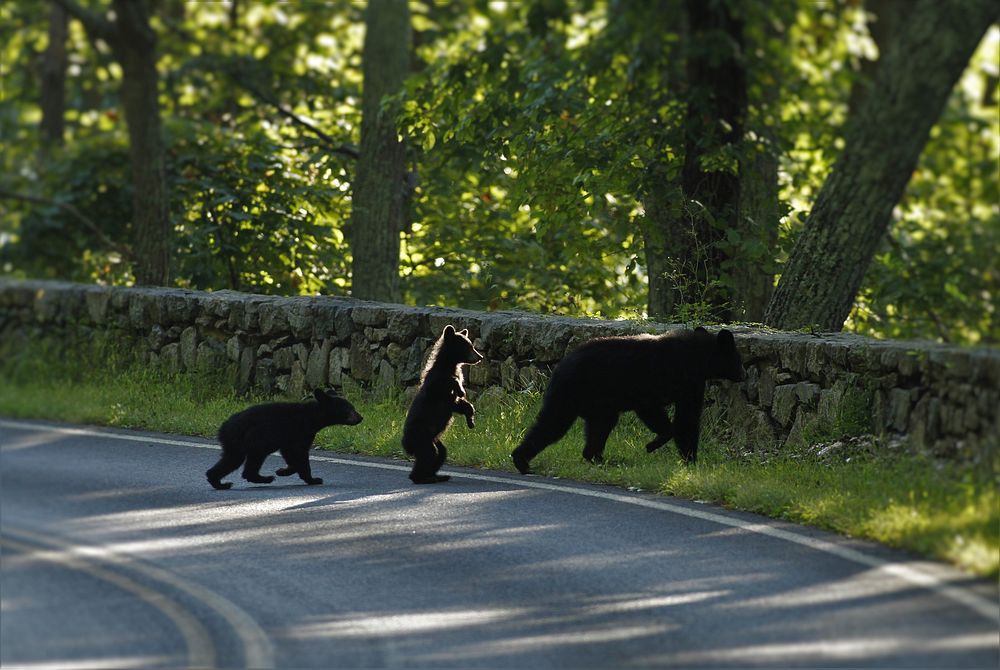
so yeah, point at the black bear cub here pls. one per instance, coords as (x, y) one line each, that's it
(604, 377)
(288, 427)
(441, 394)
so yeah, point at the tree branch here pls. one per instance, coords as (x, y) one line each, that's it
(73, 211)
(95, 25)
(331, 143)
(236, 77)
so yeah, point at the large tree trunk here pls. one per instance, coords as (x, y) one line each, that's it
(136, 51)
(752, 271)
(883, 141)
(656, 225)
(752, 281)
(133, 43)
(53, 94)
(378, 206)
(683, 250)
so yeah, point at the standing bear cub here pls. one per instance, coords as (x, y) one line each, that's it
(441, 394)
(604, 377)
(288, 427)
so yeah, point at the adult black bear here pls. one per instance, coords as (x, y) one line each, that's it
(441, 394)
(643, 373)
(288, 427)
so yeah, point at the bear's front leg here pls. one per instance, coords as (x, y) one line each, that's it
(298, 461)
(596, 429)
(687, 426)
(466, 409)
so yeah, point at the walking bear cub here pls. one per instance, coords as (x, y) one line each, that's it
(607, 376)
(289, 427)
(441, 394)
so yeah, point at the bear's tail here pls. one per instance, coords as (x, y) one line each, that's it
(227, 433)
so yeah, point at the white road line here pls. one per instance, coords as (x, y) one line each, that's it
(258, 652)
(914, 575)
(200, 651)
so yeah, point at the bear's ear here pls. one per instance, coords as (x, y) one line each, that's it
(319, 395)
(726, 339)
(449, 330)
(699, 329)
(464, 332)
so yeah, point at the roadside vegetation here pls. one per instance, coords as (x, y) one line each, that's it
(935, 509)
(598, 158)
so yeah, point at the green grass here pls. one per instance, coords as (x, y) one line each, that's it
(938, 510)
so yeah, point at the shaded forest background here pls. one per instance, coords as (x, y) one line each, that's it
(799, 163)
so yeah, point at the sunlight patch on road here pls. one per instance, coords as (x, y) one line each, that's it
(107, 663)
(390, 625)
(602, 560)
(587, 637)
(205, 513)
(673, 600)
(30, 440)
(106, 494)
(872, 586)
(827, 652)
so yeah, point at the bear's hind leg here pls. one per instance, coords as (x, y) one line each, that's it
(656, 419)
(552, 423)
(251, 471)
(596, 430)
(289, 468)
(227, 463)
(426, 461)
(442, 453)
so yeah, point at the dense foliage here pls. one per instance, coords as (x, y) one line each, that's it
(533, 131)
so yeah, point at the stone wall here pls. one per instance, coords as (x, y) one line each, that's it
(800, 387)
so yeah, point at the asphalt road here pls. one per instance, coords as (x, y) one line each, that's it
(117, 553)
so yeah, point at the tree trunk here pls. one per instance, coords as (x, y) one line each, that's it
(883, 141)
(136, 51)
(53, 94)
(760, 210)
(133, 42)
(654, 226)
(378, 206)
(683, 244)
(753, 282)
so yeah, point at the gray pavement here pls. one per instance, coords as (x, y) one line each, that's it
(117, 553)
